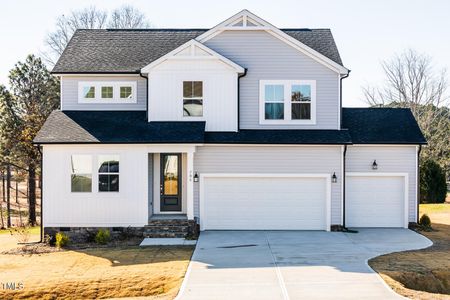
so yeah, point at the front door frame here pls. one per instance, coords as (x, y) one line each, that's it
(178, 208)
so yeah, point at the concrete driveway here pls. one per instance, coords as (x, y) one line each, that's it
(293, 264)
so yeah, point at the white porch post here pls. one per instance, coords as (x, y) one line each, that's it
(190, 186)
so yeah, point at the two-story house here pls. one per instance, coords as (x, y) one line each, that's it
(236, 127)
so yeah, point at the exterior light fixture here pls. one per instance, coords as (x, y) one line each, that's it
(374, 165)
(196, 177)
(334, 177)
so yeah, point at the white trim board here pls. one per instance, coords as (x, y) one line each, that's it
(387, 174)
(229, 24)
(266, 175)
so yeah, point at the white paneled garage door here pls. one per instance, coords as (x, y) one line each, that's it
(376, 200)
(264, 202)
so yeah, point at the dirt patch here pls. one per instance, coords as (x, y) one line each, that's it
(420, 274)
(112, 272)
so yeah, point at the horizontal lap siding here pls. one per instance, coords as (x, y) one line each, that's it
(277, 159)
(268, 58)
(393, 159)
(69, 93)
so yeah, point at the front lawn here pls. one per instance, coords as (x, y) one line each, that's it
(94, 273)
(422, 274)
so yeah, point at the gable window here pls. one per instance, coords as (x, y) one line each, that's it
(81, 173)
(108, 173)
(287, 101)
(107, 92)
(192, 98)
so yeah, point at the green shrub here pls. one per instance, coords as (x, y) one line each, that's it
(102, 237)
(425, 221)
(61, 240)
(433, 188)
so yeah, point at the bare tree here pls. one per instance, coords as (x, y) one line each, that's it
(411, 81)
(128, 17)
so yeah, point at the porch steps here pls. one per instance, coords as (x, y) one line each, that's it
(168, 228)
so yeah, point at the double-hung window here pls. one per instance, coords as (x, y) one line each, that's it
(287, 101)
(81, 173)
(107, 92)
(192, 98)
(108, 173)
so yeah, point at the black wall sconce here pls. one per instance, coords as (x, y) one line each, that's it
(195, 177)
(334, 177)
(375, 165)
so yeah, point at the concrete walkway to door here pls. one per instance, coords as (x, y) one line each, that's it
(293, 264)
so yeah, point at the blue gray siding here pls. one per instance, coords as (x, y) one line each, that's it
(267, 57)
(69, 93)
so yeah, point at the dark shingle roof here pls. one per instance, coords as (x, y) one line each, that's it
(115, 127)
(382, 126)
(128, 51)
(365, 126)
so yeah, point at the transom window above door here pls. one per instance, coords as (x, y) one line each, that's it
(287, 101)
(193, 98)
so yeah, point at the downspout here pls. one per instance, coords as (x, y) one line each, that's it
(146, 93)
(238, 97)
(418, 182)
(340, 94)
(42, 193)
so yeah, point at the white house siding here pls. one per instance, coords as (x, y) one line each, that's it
(128, 207)
(69, 93)
(268, 58)
(393, 159)
(272, 159)
(219, 92)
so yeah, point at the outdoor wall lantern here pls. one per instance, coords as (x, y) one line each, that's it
(334, 177)
(375, 165)
(195, 177)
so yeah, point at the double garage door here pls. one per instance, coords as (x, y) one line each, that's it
(298, 201)
(265, 202)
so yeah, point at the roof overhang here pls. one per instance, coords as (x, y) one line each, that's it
(193, 50)
(245, 20)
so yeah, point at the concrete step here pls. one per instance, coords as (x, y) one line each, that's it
(165, 234)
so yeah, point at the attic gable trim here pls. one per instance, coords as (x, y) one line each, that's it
(191, 44)
(229, 23)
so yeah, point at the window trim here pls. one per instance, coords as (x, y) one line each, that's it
(287, 102)
(116, 92)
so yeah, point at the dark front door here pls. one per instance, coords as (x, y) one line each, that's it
(170, 182)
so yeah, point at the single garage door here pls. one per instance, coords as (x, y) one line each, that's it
(264, 202)
(375, 201)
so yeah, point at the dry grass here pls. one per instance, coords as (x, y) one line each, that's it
(422, 274)
(96, 273)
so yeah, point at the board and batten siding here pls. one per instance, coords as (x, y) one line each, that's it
(219, 92)
(128, 207)
(390, 159)
(268, 58)
(272, 159)
(69, 93)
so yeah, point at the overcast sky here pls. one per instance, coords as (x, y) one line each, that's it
(366, 32)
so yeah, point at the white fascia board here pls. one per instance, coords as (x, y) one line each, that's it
(186, 45)
(225, 25)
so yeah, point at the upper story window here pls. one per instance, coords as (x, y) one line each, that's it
(81, 173)
(287, 101)
(192, 98)
(107, 92)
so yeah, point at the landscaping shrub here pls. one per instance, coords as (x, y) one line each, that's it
(433, 188)
(22, 233)
(425, 221)
(62, 240)
(102, 237)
